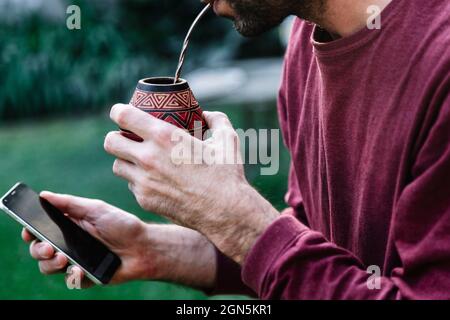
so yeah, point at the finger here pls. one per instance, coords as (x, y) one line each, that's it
(57, 264)
(137, 121)
(126, 170)
(76, 207)
(27, 236)
(121, 147)
(41, 250)
(217, 120)
(222, 130)
(75, 277)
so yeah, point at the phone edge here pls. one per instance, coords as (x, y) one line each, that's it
(41, 237)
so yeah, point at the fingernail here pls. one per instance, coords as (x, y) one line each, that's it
(44, 252)
(61, 260)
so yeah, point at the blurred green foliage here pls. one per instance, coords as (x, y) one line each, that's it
(47, 69)
(67, 156)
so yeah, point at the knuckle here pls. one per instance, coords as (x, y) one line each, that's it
(164, 134)
(61, 262)
(147, 160)
(220, 114)
(115, 108)
(121, 116)
(24, 235)
(34, 250)
(108, 141)
(116, 167)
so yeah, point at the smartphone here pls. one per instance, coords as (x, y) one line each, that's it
(49, 224)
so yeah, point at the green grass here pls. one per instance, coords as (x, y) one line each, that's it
(67, 156)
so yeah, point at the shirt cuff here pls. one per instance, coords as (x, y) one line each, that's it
(270, 245)
(228, 278)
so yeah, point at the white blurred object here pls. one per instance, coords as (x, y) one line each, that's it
(285, 30)
(254, 82)
(15, 9)
(210, 83)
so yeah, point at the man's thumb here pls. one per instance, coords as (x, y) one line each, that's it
(217, 120)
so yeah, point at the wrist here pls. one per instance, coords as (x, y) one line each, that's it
(180, 255)
(245, 220)
(155, 253)
(144, 266)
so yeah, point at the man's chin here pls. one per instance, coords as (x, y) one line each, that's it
(249, 31)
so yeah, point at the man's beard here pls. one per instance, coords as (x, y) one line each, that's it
(254, 17)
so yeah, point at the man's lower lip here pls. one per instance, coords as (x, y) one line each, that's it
(219, 10)
(215, 5)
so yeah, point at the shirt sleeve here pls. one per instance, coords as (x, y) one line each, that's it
(291, 261)
(228, 278)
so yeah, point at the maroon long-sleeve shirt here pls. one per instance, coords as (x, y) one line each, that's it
(367, 122)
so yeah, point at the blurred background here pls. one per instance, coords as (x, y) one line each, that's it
(57, 86)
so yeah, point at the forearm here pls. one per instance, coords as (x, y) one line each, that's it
(184, 256)
(252, 215)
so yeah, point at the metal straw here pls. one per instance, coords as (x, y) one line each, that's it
(186, 42)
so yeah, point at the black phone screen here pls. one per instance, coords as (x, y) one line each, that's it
(63, 233)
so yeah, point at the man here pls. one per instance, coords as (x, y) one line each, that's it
(365, 114)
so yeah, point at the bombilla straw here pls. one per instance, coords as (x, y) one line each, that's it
(186, 42)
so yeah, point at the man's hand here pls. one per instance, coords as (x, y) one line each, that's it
(148, 252)
(211, 196)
